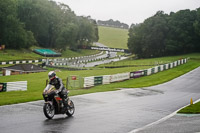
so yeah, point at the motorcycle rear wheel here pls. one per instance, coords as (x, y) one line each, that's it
(49, 110)
(70, 108)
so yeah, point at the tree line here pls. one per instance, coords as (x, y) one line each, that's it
(166, 34)
(45, 23)
(112, 23)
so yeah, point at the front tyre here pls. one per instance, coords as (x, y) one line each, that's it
(49, 110)
(70, 108)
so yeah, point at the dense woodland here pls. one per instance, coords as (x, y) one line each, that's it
(166, 34)
(112, 23)
(45, 23)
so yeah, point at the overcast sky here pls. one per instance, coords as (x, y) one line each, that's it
(127, 11)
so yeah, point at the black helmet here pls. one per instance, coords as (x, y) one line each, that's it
(51, 75)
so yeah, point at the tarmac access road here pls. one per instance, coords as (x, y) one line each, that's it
(123, 111)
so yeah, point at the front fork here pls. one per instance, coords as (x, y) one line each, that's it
(50, 103)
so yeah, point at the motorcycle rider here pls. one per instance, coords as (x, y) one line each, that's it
(57, 82)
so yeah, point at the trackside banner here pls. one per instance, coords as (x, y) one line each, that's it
(136, 74)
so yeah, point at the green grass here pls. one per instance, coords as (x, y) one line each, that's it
(86, 52)
(191, 109)
(12, 55)
(155, 79)
(147, 62)
(113, 37)
(37, 81)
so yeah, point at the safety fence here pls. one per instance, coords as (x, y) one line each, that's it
(13, 86)
(107, 79)
(74, 82)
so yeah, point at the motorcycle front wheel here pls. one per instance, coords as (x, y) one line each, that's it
(70, 108)
(49, 110)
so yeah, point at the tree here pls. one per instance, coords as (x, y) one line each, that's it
(181, 35)
(162, 34)
(148, 38)
(12, 32)
(55, 25)
(196, 25)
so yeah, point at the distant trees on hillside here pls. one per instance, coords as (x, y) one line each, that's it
(112, 23)
(44, 22)
(163, 34)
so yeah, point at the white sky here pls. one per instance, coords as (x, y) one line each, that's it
(127, 11)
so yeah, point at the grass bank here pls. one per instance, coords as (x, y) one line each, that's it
(24, 54)
(113, 37)
(191, 109)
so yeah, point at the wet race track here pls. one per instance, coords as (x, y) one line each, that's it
(123, 111)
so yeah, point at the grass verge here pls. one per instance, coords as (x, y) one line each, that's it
(23, 54)
(191, 109)
(36, 81)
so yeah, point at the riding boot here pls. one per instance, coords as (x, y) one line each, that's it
(64, 103)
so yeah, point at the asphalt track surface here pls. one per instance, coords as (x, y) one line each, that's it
(123, 111)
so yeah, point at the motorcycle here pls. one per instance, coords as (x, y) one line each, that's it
(54, 104)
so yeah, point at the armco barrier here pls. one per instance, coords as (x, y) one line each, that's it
(182, 61)
(175, 63)
(16, 86)
(166, 66)
(161, 67)
(156, 69)
(88, 82)
(179, 62)
(119, 77)
(149, 71)
(171, 65)
(145, 72)
(152, 70)
(106, 79)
